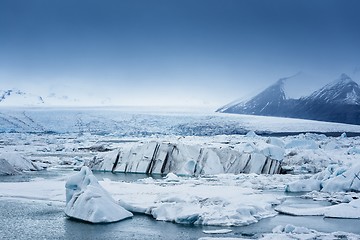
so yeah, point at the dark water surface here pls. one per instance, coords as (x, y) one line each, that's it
(39, 220)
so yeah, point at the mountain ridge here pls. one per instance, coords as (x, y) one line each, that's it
(338, 101)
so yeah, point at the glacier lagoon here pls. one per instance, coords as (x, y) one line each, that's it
(60, 140)
(26, 218)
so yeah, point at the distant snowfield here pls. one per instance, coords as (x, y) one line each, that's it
(34, 139)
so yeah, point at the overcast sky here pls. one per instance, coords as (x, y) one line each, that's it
(165, 52)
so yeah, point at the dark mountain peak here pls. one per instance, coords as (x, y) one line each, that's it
(341, 91)
(264, 103)
(338, 101)
(342, 81)
(274, 92)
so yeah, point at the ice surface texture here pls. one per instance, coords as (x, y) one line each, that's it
(86, 200)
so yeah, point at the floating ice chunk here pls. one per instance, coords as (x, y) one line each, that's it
(171, 177)
(177, 212)
(217, 231)
(306, 185)
(346, 181)
(303, 210)
(344, 210)
(289, 228)
(86, 200)
(18, 162)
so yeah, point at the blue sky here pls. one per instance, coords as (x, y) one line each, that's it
(166, 52)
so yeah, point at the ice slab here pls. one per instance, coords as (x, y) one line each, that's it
(342, 210)
(217, 231)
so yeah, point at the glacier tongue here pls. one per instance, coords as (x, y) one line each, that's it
(86, 200)
(161, 157)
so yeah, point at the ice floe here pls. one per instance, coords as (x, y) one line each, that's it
(342, 210)
(216, 202)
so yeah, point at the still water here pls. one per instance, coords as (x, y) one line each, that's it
(27, 219)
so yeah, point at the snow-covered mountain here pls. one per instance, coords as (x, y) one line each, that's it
(20, 98)
(338, 101)
(271, 100)
(342, 91)
(15, 97)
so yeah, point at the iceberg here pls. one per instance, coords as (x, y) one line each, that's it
(163, 157)
(86, 200)
(6, 168)
(13, 163)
